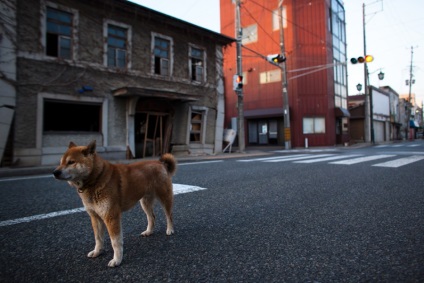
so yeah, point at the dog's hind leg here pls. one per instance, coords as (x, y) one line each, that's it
(147, 204)
(99, 234)
(167, 199)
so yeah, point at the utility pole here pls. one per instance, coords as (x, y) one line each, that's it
(368, 127)
(239, 91)
(286, 108)
(408, 116)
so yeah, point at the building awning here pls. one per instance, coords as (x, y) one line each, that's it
(413, 124)
(263, 113)
(154, 93)
(342, 112)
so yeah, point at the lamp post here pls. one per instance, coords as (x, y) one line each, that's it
(359, 87)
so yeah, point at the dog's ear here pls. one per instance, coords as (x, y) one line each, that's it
(72, 144)
(91, 148)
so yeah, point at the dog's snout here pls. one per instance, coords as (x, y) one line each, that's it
(57, 173)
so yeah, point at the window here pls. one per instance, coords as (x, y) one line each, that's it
(337, 25)
(87, 120)
(275, 21)
(59, 33)
(196, 126)
(315, 125)
(116, 46)
(250, 34)
(197, 64)
(270, 76)
(162, 56)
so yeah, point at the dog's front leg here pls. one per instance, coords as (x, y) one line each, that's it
(113, 224)
(99, 234)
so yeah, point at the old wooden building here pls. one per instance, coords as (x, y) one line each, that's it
(138, 82)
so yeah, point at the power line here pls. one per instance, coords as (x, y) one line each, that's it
(289, 21)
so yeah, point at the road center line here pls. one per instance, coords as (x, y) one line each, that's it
(178, 189)
(200, 162)
(25, 178)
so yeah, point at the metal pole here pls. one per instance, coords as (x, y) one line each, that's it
(408, 118)
(368, 109)
(286, 108)
(239, 92)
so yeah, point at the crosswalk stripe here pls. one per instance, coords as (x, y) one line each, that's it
(362, 159)
(298, 158)
(400, 162)
(347, 159)
(270, 158)
(413, 145)
(327, 158)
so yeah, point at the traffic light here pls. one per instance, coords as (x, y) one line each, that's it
(237, 82)
(361, 59)
(276, 58)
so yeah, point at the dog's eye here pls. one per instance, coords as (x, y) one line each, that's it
(70, 162)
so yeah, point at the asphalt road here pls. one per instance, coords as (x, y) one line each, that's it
(274, 218)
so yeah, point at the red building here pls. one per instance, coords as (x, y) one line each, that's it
(315, 46)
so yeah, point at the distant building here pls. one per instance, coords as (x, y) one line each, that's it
(386, 115)
(315, 45)
(139, 82)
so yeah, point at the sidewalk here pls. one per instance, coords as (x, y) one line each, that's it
(7, 172)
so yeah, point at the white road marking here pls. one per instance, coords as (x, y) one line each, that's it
(299, 158)
(271, 158)
(201, 162)
(40, 216)
(183, 189)
(400, 162)
(327, 158)
(178, 189)
(7, 179)
(26, 178)
(362, 159)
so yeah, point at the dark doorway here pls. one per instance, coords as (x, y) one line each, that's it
(153, 127)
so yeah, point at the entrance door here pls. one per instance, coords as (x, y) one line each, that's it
(263, 131)
(153, 126)
(151, 132)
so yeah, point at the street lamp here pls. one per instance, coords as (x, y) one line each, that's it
(359, 87)
(381, 76)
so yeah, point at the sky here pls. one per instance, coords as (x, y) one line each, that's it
(392, 27)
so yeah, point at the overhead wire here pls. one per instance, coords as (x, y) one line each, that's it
(291, 22)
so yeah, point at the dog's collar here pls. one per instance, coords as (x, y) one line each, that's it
(78, 185)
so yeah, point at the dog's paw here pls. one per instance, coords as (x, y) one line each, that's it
(147, 233)
(94, 253)
(169, 232)
(114, 263)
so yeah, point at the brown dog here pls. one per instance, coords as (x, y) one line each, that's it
(109, 189)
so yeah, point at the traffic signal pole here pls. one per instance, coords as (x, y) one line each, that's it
(239, 91)
(368, 127)
(286, 108)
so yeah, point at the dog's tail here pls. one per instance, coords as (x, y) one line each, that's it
(170, 163)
